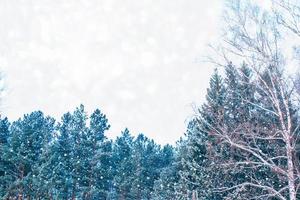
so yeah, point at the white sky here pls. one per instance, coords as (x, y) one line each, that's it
(138, 61)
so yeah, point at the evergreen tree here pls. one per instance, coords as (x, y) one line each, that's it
(99, 154)
(164, 186)
(60, 164)
(147, 165)
(123, 165)
(195, 151)
(80, 157)
(29, 139)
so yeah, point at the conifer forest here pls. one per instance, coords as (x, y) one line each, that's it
(241, 143)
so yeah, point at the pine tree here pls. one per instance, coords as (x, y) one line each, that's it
(29, 139)
(164, 186)
(147, 165)
(59, 166)
(99, 152)
(123, 165)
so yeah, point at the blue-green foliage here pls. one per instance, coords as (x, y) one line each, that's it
(28, 141)
(74, 159)
(138, 163)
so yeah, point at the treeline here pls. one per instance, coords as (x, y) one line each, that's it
(241, 144)
(73, 159)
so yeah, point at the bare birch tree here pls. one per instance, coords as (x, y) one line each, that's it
(255, 36)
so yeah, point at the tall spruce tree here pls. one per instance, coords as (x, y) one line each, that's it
(194, 152)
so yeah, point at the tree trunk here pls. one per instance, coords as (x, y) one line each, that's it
(194, 195)
(291, 176)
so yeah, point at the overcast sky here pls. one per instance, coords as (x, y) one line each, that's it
(138, 61)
